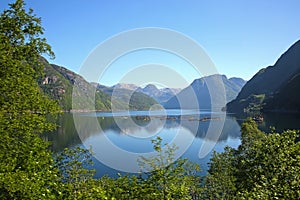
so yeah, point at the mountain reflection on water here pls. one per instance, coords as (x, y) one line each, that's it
(66, 134)
(134, 134)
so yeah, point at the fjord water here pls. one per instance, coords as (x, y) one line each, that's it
(133, 132)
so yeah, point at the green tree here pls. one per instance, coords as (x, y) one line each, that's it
(265, 166)
(169, 178)
(220, 182)
(78, 182)
(26, 166)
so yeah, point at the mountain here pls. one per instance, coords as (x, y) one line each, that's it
(125, 86)
(128, 94)
(238, 81)
(58, 83)
(73, 92)
(202, 92)
(160, 95)
(286, 99)
(274, 88)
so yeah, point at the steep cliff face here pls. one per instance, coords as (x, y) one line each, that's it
(267, 89)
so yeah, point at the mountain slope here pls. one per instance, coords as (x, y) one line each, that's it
(238, 81)
(58, 83)
(135, 100)
(287, 98)
(201, 92)
(125, 86)
(160, 95)
(267, 90)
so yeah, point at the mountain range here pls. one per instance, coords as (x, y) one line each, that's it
(275, 88)
(128, 94)
(214, 90)
(73, 92)
(160, 95)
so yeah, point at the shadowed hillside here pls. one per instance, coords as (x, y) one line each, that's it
(275, 88)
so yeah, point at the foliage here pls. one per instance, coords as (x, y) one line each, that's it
(71, 163)
(26, 170)
(220, 183)
(76, 180)
(167, 179)
(124, 187)
(264, 166)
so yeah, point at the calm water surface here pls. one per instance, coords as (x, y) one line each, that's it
(132, 132)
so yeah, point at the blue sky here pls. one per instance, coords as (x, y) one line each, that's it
(239, 36)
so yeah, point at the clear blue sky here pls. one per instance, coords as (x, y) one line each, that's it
(239, 36)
